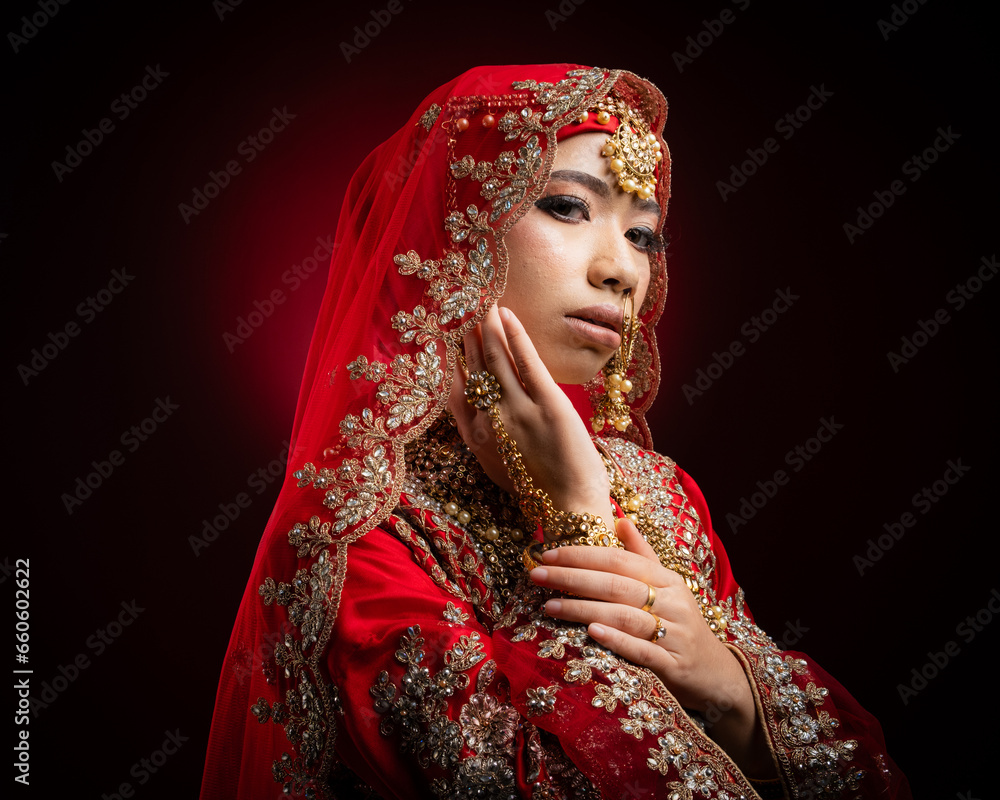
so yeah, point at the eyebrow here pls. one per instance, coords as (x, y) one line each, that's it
(600, 188)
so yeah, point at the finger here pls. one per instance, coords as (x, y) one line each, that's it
(632, 539)
(606, 559)
(594, 585)
(533, 373)
(496, 353)
(614, 615)
(637, 649)
(473, 345)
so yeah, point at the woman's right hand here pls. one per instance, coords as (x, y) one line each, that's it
(554, 443)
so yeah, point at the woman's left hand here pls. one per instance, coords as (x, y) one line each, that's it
(610, 588)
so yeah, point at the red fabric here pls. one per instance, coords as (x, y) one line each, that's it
(339, 581)
(591, 125)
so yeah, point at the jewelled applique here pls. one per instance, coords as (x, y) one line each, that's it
(429, 117)
(474, 748)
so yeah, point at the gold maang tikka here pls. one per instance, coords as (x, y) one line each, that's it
(634, 151)
(611, 408)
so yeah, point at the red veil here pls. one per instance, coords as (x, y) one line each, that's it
(419, 259)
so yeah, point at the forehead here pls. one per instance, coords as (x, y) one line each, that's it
(583, 152)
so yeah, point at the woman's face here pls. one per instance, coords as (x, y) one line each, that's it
(573, 256)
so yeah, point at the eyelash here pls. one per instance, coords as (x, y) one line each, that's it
(657, 242)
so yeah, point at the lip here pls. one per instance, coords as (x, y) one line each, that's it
(600, 324)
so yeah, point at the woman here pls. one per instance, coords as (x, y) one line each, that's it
(415, 624)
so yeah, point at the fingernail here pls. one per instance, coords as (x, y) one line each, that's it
(550, 556)
(553, 607)
(596, 630)
(504, 313)
(539, 573)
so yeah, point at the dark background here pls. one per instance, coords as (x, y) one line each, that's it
(161, 337)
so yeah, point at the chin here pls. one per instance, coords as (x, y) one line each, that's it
(576, 372)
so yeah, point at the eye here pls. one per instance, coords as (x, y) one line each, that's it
(564, 207)
(646, 240)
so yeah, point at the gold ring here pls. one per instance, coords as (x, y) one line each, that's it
(531, 556)
(482, 390)
(650, 599)
(659, 631)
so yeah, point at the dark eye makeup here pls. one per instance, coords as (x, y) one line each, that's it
(569, 208)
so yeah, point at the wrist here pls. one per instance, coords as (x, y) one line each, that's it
(567, 528)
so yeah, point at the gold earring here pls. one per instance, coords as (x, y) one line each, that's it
(611, 407)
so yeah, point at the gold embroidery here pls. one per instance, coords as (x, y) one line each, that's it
(356, 487)
(486, 725)
(506, 181)
(542, 700)
(454, 284)
(305, 713)
(568, 95)
(407, 386)
(429, 117)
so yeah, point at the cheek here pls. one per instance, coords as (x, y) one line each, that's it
(646, 266)
(537, 256)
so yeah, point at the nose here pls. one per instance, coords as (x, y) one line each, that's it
(614, 262)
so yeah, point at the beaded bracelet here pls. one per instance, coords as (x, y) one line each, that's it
(482, 391)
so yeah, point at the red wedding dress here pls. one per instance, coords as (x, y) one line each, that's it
(387, 648)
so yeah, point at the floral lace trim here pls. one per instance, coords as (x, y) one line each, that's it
(311, 702)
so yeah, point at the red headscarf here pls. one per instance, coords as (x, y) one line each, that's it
(419, 259)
